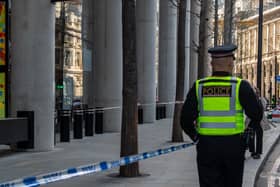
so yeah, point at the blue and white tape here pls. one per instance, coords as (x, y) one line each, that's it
(93, 168)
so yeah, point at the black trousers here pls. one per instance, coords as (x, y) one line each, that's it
(220, 161)
(256, 141)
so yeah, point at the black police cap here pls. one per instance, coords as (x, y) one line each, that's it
(222, 51)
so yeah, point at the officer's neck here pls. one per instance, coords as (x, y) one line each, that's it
(221, 73)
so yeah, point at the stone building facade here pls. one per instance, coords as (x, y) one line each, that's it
(72, 56)
(247, 40)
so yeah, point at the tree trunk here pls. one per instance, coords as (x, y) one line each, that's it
(203, 69)
(177, 135)
(194, 40)
(129, 140)
(216, 26)
(228, 21)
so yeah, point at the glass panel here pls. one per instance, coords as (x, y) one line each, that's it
(277, 42)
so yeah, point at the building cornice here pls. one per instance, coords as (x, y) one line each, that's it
(268, 15)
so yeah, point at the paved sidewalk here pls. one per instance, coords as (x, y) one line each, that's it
(177, 169)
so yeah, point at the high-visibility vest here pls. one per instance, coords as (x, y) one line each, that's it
(220, 112)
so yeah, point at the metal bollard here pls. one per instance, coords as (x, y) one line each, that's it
(99, 121)
(55, 127)
(163, 111)
(140, 115)
(78, 124)
(89, 117)
(157, 112)
(64, 120)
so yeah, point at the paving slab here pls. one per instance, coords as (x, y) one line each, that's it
(177, 169)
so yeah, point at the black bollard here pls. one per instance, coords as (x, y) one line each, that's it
(55, 126)
(78, 124)
(157, 111)
(99, 121)
(163, 111)
(64, 120)
(89, 115)
(140, 115)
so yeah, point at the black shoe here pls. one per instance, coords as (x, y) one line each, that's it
(256, 156)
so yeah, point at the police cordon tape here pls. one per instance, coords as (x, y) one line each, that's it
(139, 104)
(87, 169)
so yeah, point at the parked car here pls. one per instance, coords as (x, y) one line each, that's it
(78, 104)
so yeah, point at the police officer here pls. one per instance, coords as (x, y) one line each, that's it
(213, 115)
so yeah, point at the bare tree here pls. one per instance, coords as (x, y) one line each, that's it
(129, 134)
(204, 36)
(228, 21)
(216, 27)
(194, 39)
(177, 135)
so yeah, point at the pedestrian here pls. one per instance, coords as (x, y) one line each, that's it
(273, 101)
(256, 142)
(212, 114)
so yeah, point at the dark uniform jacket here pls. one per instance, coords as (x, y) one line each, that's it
(247, 98)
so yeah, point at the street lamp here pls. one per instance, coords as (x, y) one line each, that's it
(259, 64)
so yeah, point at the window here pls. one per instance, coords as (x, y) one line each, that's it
(78, 61)
(243, 45)
(252, 43)
(264, 39)
(270, 68)
(67, 38)
(246, 54)
(68, 58)
(270, 36)
(256, 42)
(277, 39)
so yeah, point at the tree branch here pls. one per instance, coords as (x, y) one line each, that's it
(175, 3)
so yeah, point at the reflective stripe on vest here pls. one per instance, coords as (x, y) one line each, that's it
(217, 125)
(217, 121)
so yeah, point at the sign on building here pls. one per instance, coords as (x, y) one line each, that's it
(277, 78)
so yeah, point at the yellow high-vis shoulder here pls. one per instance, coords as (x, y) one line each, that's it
(220, 112)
